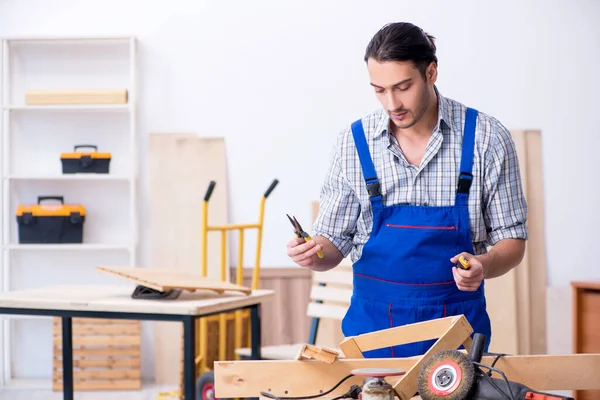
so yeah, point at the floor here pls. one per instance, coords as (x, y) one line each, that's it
(148, 392)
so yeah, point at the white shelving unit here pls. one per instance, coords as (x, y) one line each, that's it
(32, 139)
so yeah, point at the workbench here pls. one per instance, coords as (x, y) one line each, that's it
(116, 302)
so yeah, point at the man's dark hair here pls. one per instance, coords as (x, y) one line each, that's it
(403, 41)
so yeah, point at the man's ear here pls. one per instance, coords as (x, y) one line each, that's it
(431, 73)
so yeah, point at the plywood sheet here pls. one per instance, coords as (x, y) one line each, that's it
(164, 279)
(181, 167)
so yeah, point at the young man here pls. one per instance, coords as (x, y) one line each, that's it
(411, 187)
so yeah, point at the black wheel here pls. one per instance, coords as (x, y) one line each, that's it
(205, 386)
(447, 375)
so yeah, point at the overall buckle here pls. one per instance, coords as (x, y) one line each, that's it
(464, 182)
(374, 189)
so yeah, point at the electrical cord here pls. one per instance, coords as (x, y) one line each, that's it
(354, 391)
(492, 383)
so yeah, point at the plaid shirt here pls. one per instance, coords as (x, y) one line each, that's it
(497, 206)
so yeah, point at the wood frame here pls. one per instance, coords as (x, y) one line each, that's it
(239, 379)
(450, 332)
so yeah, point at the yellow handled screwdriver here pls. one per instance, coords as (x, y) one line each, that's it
(463, 263)
(301, 233)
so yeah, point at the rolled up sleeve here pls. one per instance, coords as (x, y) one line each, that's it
(504, 204)
(339, 207)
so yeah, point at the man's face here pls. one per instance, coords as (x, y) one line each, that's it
(401, 89)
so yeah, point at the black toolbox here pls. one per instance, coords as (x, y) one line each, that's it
(90, 162)
(50, 223)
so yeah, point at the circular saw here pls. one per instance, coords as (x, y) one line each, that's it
(454, 375)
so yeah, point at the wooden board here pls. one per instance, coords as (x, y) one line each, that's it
(83, 96)
(243, 379)
(516, 302)
(181, 167)
(94, 298)
(106, 354)
(164, 280)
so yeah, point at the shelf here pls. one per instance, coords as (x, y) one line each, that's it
(71, 107)
(47, 39)
(67, 246)
(33, 137)
(68, 177)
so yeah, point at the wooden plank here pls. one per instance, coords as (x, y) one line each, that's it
(164, 279)
(181, 167)
(82, 96)
(522, 271)
(308, 377)
(410, 333)
(101, 362)
(108, 385)
(116, 354)
(502, 293)
(536, 244)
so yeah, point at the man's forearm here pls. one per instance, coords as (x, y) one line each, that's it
(502, 257)
(331, 255)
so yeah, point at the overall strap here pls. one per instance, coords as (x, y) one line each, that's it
(465, 177)
(366, 163)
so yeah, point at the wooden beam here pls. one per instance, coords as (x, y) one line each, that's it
(305, 378)
(409, 333)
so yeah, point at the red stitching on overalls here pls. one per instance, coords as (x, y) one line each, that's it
(445, 315)
(391, 323)
(404, 283)
(444, 228)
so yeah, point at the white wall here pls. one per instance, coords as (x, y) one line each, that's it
(279, 79)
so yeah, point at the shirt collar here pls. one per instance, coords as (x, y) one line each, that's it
(444, 116)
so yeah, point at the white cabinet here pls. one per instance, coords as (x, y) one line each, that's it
(33, 138)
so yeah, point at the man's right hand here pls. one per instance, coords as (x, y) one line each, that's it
(303, 253)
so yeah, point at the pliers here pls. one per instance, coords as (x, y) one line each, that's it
(301, 233)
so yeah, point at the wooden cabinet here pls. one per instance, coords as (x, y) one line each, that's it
(586, 325)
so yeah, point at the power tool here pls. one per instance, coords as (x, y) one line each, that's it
(454, 375)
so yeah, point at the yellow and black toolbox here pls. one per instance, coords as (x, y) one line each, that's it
(85, 162)
(50, 223)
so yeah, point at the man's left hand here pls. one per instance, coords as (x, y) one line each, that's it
(468, 280)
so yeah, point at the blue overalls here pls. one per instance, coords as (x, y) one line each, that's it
(404, 274)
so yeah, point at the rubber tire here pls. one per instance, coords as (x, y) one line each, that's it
(205, 383)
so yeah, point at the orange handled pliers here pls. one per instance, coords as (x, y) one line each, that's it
(301, 233)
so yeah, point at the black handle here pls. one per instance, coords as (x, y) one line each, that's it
(211, 187)
(270, 189)
(79, 146)
(477, 347)
(42, 198)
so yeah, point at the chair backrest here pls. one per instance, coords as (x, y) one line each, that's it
(330, 293)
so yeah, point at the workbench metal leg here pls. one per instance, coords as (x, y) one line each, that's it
(189, 358)
(67, 354)
(255, 332)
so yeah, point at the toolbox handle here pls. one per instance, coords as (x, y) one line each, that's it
(41, 198)
(270, 189)
(79, 146)
(209, 191)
